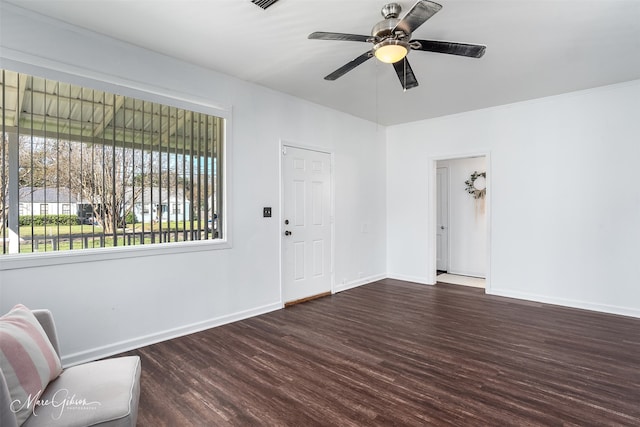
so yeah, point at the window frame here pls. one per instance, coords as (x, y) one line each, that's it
(149, 93)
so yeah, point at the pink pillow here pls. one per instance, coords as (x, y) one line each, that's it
(27, 359)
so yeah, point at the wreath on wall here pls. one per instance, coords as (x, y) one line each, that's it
(476, 185)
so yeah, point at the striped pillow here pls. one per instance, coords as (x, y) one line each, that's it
(27, 359)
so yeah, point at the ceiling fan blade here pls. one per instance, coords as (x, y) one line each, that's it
(462, 49)
(418, 15)
(321, 35)
(350, 66)
(405, 74)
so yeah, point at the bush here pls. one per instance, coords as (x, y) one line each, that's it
(40, 220)
(130, 218)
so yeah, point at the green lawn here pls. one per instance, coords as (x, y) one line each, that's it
(43, 239)
(78, 243)
(52, 230)
(78, 230)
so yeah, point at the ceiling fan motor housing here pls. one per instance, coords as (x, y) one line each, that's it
(389, 28)
(384, 29)
(387, 33)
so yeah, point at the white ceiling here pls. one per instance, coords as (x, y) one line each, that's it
(534, 48)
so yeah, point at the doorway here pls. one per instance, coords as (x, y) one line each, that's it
(306, 224)
(461, 220)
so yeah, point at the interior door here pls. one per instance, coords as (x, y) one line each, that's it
(442, 218)
(306, 224)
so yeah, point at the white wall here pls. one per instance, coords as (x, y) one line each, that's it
(105, 306)
(563, 199)
(467, 219)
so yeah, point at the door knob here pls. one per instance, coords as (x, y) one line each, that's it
(287, 233)
(442, 227)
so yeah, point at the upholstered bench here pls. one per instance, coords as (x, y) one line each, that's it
(103, 393)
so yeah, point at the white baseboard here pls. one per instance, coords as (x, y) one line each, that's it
(604, 308)
(420, 280)
(111, 349)
(359, 282)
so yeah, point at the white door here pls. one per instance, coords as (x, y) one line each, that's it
(306, 227)
(442, 218)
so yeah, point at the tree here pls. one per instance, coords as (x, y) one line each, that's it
(104, 176)
(31, 170)
(100, 175)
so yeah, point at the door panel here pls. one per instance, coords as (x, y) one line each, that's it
(299, 203)
(306, 247)
(442, 218)
(318, 258)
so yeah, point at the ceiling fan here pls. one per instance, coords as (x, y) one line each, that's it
(391, 39)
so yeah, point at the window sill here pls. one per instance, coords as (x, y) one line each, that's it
(19, 261)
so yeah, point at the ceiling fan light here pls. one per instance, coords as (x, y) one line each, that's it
(390, 51)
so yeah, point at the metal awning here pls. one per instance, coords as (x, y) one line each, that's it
(58, 110)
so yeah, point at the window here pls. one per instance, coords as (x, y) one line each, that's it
(115, 162)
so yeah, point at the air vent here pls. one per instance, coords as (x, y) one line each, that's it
(263, 3)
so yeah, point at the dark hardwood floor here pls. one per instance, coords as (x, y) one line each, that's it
(397, 353)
